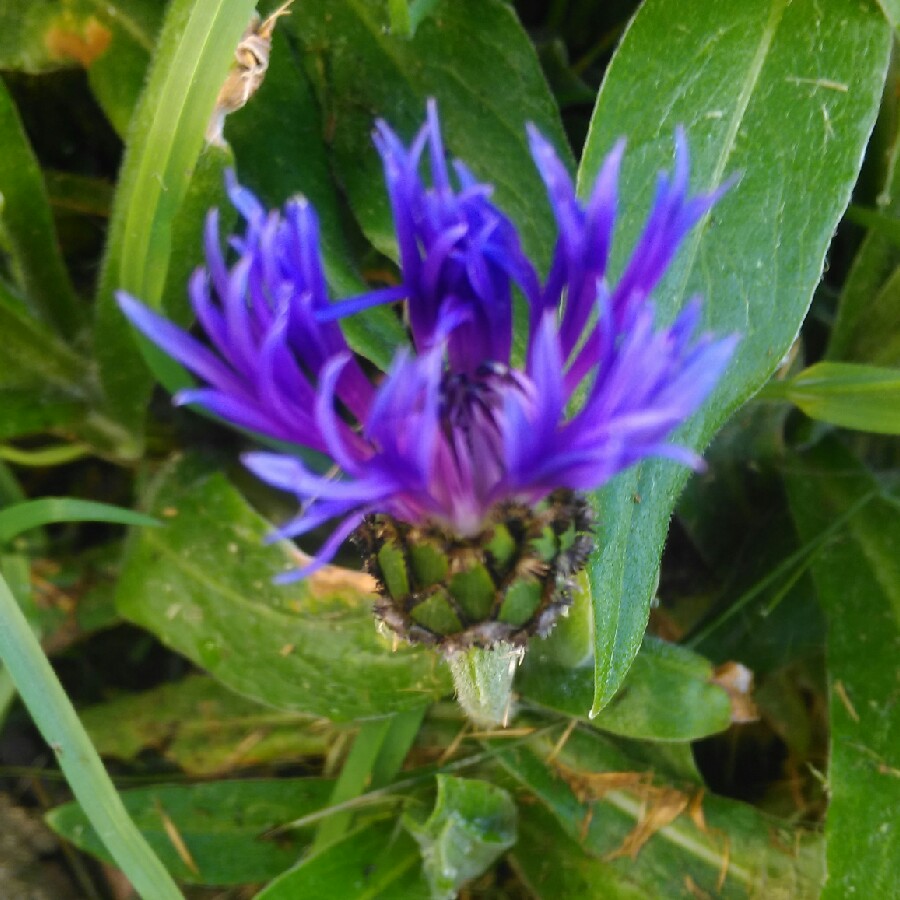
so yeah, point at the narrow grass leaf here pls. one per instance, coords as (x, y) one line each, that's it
(57, 721)
(196, 47)
(22, 517)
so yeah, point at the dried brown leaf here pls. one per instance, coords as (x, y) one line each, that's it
(737, 681)
(662, 806)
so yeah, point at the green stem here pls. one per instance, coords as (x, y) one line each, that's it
(353, 779)
(44, 457)
(58, 723)
(375, 758)
(483, 681)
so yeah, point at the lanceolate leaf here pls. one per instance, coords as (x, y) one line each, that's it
(21, 517)
(202, 727)
(28, 226)
(203, 584)
(52, 711)
(774, 93)
(858, 582)
(20, 415)
(847, 394)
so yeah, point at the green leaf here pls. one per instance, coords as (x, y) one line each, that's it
(112, 41)
(891, 10)
(203, 728)
(877, 341)
(866, 398)
(34, 356)
(117, 76)
(21, 415)
(762, 609)
(370, 72)
(471, 825)
(44, 384)
(21, 517)
(398, 10)
(858, 582)
(220, 826)
(376, 757)
(375, 862)
(725, 849)
(553, 864)
(730, 73)
(355, 775)
(203, 584)
(195, 49)
(882, 223)
(867, 325)
(419, 10)
(44, 457)
(667, 694)
(28, 227)
(205, 192)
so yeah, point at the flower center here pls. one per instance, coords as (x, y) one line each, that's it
(471, 412)
(474, 402)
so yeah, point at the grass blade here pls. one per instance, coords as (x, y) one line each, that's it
(47, 510)
(58, 723)
(195, 49)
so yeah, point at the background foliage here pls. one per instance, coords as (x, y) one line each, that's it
(283, 746)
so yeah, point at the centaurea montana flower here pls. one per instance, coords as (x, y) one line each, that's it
(459, 469)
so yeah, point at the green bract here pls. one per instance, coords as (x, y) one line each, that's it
(511, 581)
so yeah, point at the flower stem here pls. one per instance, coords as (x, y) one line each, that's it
(483, 681)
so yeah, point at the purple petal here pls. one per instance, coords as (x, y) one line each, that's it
(326, 552)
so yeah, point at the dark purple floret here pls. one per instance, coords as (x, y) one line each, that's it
(459, 254)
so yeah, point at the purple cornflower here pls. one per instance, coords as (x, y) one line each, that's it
(453, 430)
